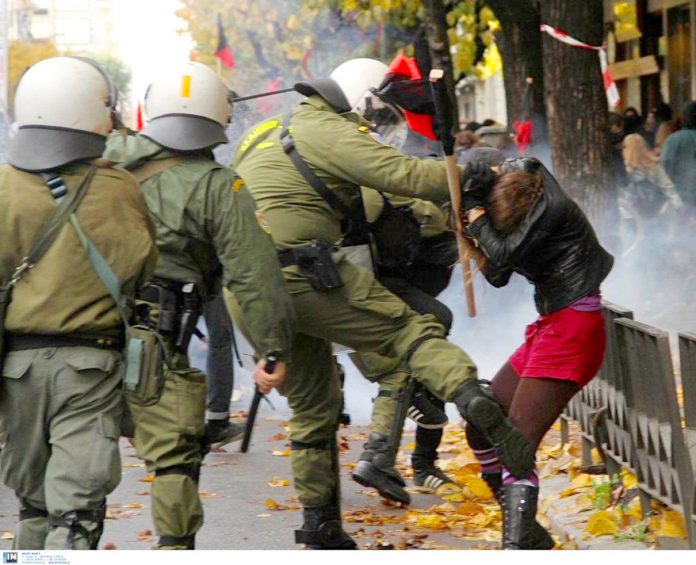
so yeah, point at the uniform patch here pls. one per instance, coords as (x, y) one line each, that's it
(186, 86)
(237, 185)
(257, 132)
(261, 219)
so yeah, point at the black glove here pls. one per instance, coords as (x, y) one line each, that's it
(477, 188)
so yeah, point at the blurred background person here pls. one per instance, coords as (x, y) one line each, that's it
(679, 158)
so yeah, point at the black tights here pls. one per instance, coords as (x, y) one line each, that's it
(532, 404)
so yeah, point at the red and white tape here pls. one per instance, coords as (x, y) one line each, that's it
(609, 84)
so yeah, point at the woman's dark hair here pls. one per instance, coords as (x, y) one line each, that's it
(689, 116)
(512, 197)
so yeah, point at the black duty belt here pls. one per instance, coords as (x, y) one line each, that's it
(22, 342)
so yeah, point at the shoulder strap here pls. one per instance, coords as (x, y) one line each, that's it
(67, 204)
(57, 189)
(149, 169)
(102, 269)
(330, 197)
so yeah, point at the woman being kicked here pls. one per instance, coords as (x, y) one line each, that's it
(523, 222)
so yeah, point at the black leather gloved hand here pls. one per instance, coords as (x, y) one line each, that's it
(478, 186)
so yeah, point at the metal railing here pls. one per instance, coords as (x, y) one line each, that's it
(631, 413)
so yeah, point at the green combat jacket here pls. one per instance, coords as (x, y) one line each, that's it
(206, 221)
(343, 154)
(63, 294)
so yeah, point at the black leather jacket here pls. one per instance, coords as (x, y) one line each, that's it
(554, 247)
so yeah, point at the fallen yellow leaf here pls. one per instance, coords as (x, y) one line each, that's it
(628, 479)
(602, 523)
(7, 536)
(635, 511)
(278, 482)
(272, 504)
(469, 509)
(582, 480)
(432, 521)
(553, 451)
(479, 488)
(283, 453)
(668, 524)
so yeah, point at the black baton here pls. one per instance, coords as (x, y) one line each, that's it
(254, 408)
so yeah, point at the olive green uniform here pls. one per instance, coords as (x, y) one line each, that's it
(204, 218)
(362, 314)
(60, 407)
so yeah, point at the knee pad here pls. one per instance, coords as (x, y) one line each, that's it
(72, 521)
(27, 512)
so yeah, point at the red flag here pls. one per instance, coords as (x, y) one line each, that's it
(139, 123)
(223, 51)
(523, 134)
(406, 68)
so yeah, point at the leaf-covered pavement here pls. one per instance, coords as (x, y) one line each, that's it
(249, 501)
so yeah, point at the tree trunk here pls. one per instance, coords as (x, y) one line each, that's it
(576, 107)
(520, 47)
(438, 40)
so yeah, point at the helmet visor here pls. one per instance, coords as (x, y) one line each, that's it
(388, 122)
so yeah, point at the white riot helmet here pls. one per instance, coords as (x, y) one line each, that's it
(188, 109)
(359, 79)
(63, 108)
(349, 86)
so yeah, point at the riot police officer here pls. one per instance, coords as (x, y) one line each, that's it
(305, 171)
(60, 391)
(206, 222)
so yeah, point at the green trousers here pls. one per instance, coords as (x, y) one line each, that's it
(168, 436)
(364, 316)
(59, 427)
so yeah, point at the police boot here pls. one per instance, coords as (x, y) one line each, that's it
(494, 480)
(484, 412)
(427, 474)
(520, 527)
(322, 529)
(376, 469)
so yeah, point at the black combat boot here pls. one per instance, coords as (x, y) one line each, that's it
(322, 529)
(483, 412)
(520, 527)
(376, 469)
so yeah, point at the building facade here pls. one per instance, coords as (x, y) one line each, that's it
(652, 47)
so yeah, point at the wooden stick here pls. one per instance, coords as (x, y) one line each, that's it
(463, 245)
